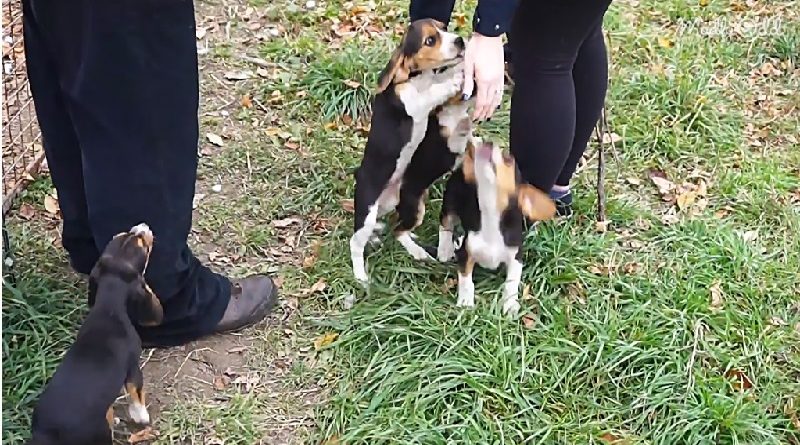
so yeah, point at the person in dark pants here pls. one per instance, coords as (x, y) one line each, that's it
(115, 86)
(560, 74)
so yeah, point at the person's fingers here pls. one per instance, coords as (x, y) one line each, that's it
(469, 73)
(483, 101)
(498, 99)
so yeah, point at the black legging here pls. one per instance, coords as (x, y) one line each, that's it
(560, 82)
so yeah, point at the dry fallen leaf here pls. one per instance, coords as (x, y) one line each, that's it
(238, 75)
(214, 139)
(311, 258)
(26, 211)
(611, 138)
(325, 340)
(246, 101)
(739, 380)
(247, 382)
(352, 83)
(631, 268)
(333, 440)
(526, 293)
(749, 236)
(665, 186)
(716, 296)
(777, 321)
(51, 205)
(319, 286)
(633, 181)
(286, 222)
(602, 226)
(221, 382)
(686, 199)
(144, 435)
(348, 205)
(528, 321)
(665, 42)
(611, 438)
(237, 350)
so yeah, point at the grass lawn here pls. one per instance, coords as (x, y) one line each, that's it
(679, 324)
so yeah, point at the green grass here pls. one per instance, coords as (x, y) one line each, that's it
(624, 341)
(41, 312)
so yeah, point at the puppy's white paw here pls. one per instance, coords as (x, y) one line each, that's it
(466, 292)
(415, 250)
(466, 301)
(348, 301)
(511, 307)
(138, 413)
(420, 254)
(361, 275)
(445, 251)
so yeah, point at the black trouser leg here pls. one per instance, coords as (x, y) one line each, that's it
(440, 10)
(60, 145)
(549, 36)
(590, 77)
(127, 73)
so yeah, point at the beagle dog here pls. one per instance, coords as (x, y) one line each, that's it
(489, 199)
(76, 406)
(417, 92)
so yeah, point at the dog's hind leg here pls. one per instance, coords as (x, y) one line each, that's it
(369, 186)
(411, 211)
(137, 407)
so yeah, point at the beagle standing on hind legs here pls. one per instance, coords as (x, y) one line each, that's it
(487, 195)
(424, 72)
(76, 406)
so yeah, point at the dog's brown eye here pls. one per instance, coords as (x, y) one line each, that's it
(430, 41)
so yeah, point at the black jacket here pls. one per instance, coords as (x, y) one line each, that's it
(492, 17)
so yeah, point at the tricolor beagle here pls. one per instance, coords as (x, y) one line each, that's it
(419, 128)
(488, 197)
(76, 406)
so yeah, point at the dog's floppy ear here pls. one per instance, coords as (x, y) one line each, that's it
(94, 275)
(535, 204)
(468, 163)
(395, 71)
(143, 305)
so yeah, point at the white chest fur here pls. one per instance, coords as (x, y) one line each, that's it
(487, 246)
(488, 249)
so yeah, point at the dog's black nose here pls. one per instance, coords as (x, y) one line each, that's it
(459, 43)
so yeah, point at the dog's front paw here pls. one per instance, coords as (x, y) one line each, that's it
(466, 292)
(466, 300)
(511, 307)
(138, 413)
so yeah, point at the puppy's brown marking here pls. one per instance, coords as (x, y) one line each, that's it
(535, 204)
(466, 267)
(110, 417)
(506, 181)
(419, 50)
(468, 164)
(135, 393)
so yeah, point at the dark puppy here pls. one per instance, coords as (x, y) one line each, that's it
(416, 81)
(76, 406)
(488, 197)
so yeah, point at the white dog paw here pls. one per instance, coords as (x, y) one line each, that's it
(511, 308)
(138, 413)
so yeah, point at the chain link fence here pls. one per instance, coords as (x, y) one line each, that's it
(22, 148)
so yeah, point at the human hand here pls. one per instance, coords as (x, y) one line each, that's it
(484, 66)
